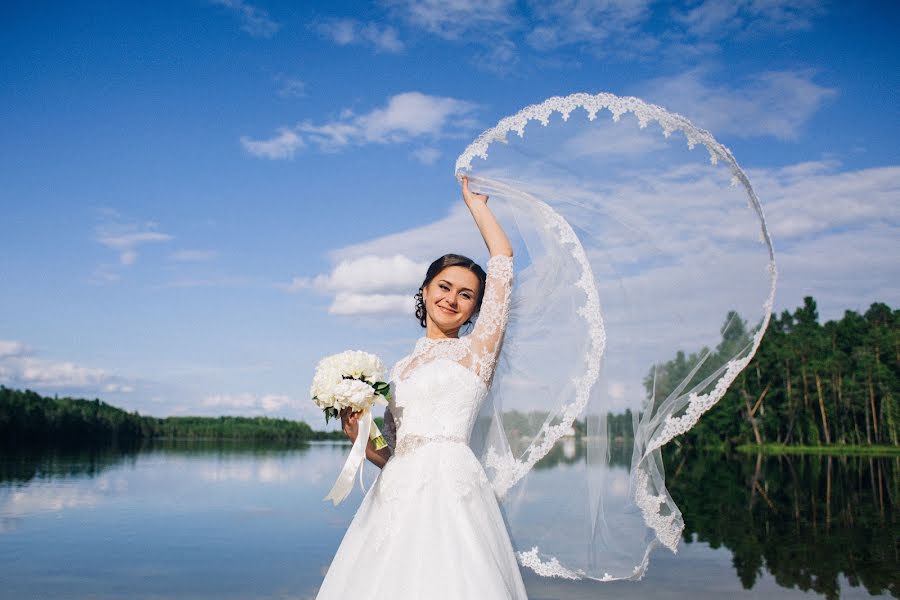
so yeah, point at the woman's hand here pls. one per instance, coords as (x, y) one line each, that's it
(469, 196)
(349, 423)
(491, 231)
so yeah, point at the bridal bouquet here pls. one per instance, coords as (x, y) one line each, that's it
(351, 379)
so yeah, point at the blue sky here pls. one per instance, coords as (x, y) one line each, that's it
(180, 179)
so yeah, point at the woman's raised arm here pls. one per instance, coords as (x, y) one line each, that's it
(486, 337)
(490, 229)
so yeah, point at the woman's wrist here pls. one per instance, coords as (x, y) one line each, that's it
(378, 457)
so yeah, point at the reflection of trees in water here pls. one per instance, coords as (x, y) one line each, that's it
(22, 465)
(522, 427)
(571, 450)
(805, 519)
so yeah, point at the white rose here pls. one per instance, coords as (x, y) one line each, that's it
(353, 393)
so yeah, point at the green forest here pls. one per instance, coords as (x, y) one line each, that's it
(27, 418)
(809, 385)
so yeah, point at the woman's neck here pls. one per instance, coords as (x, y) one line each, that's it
(433, 332)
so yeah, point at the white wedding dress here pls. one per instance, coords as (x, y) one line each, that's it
(430, 526)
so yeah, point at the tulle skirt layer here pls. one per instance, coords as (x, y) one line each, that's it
(429, 527)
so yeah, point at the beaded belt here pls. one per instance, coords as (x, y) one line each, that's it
(410, 442)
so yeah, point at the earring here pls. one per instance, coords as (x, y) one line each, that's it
(420, 305)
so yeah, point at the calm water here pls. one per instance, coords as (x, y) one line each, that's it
(227, 521)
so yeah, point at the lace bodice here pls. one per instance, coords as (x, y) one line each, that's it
(437, 390)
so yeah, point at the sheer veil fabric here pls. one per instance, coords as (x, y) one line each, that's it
(645, 281)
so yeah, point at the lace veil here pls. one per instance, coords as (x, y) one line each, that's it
(644, 280)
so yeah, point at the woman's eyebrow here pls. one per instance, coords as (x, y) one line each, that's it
(465, 289)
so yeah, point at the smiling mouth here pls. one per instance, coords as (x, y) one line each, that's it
(447, 310)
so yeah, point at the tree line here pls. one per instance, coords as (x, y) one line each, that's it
(809, 384)
(27, 418)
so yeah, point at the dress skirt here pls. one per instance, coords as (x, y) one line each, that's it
(430, 528)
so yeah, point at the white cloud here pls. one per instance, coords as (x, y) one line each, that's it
(624, 29)
(223, 281)
(19, 367)
(453, 233)
(289, 87)
(627, 27)
(346, 32)
(103, 274)
(247, 403)
(406, 116)
(254, 20)
(346, 303)
(835, 233)
(614, 23)
(609, 139)
(486, 27)
(118, 388)
(368, 285)
(483, 26)
(193, 255)
(124, 241)
(367, 274)
(815, 198)
(720, 18)
(280, 146)
(842, 270)
(413, 114)
(500, 56)
(58, 374)
(126, 237)
(775, 103)
(11, 348)
(128, 257)
(427, 156)
(451, 19)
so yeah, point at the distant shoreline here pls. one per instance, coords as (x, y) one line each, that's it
(831, 450)
(27, 418)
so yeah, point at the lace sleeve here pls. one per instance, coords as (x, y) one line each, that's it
(487, 335)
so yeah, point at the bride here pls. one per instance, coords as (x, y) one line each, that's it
(430, 525)
(601, 200)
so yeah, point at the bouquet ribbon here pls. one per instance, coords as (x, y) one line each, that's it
(344, 483)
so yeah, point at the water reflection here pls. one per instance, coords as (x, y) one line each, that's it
(219, 520)
(807, 520)
(173, 520)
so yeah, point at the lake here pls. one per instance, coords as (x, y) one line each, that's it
(227, 520)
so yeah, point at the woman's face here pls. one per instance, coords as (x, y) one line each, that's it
(450, 297)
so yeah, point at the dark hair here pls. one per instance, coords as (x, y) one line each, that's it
(450, 260)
